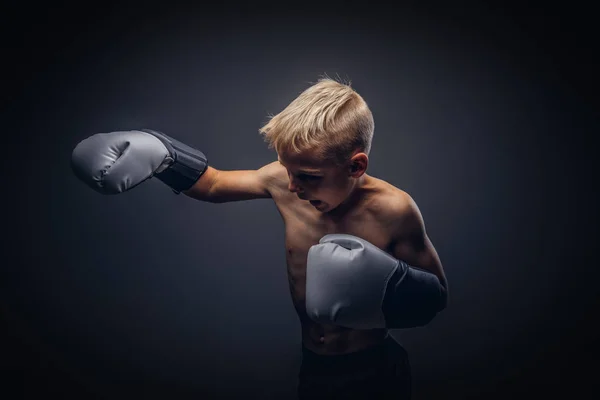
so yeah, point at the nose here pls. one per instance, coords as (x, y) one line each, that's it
(293, 185)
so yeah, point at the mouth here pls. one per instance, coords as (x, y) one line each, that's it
(315, 203)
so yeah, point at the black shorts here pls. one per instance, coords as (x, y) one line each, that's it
(381, 372)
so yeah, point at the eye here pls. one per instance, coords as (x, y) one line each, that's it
(309, 177)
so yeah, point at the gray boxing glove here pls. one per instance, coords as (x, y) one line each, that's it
(352, 283)
(115, 162)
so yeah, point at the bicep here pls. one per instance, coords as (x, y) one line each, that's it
(412, 244)
(418, 251)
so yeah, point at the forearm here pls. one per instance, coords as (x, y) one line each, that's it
(201, 190)
(220, 186)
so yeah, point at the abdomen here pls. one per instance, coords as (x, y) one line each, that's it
(320, 338)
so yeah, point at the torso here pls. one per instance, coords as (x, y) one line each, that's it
(304, 227)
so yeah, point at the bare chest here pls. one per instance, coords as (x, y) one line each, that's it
(304, 227)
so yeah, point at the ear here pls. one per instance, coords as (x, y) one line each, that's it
(358, 165)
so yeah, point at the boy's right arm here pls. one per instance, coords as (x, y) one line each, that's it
(220, 186)
(115, 162)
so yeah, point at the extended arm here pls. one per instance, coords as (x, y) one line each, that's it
(115, 162)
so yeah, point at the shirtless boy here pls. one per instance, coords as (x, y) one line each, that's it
(359, 260)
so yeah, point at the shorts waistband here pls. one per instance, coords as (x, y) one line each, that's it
(360, 357)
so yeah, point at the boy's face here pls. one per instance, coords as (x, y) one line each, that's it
(324, 185)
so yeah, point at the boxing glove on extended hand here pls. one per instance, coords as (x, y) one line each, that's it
(115, 162)
(352, 283)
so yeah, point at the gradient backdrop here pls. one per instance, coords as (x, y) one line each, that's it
(484, 115)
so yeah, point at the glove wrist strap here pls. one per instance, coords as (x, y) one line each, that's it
(185, 165)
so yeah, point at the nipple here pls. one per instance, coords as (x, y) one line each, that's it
(322, 339)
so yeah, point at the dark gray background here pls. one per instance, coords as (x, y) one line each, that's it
(484, 115)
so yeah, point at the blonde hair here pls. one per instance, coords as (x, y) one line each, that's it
(329, 119)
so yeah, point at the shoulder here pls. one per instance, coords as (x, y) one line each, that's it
(397, 208)
(274, 175)
(404, 207)
(390, 200)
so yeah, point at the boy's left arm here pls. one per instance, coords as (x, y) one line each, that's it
(346, 276)
(410, 242)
